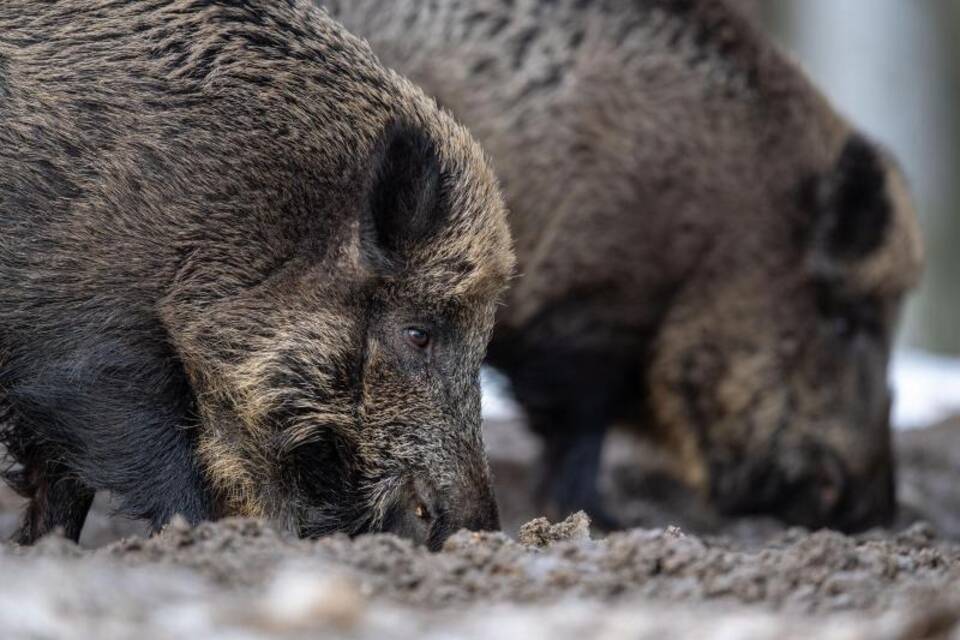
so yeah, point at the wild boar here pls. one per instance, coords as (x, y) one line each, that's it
(244, 270)
(706, 250)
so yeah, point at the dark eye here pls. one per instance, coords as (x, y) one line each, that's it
(844, 326)
(417, 337)
(850, 318)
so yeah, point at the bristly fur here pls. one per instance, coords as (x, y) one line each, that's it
(705, 248)
(216, 219)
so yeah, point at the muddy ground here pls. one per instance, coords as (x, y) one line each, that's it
(682, 572)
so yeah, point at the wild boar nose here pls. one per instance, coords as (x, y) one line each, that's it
(472, 506)
(429, 516)
(872, 501)
(819, 497)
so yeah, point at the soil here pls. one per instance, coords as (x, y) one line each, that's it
(679, 571)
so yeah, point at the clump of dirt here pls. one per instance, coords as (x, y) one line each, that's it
(541, 532)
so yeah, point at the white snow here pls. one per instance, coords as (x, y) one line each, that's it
(926, 388)
(496, 401)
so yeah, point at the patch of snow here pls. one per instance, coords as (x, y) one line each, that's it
(926, 388)
(496, 401)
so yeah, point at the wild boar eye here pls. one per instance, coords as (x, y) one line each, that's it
(849, 318)
(420, 338)
(844, 326)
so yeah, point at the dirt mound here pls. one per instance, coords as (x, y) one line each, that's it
(237, 575)
(714, 579)
(799, 572)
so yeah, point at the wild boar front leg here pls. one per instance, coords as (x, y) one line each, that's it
(569, 480)
(574, 435)
(114, 414)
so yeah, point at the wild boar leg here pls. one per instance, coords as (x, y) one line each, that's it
(573, 447)
(112, 414)
(569, 481)
(57, 501)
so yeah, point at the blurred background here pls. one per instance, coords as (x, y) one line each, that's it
(893, 67)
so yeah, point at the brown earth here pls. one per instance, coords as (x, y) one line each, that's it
(685, 573)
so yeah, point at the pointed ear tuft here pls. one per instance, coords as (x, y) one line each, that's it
(851, 204)
(405, 195)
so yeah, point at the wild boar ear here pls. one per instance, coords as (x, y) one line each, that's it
(405, 195)
(852, 209)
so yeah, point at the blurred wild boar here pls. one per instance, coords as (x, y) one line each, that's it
(244, 270)
(706, 250)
